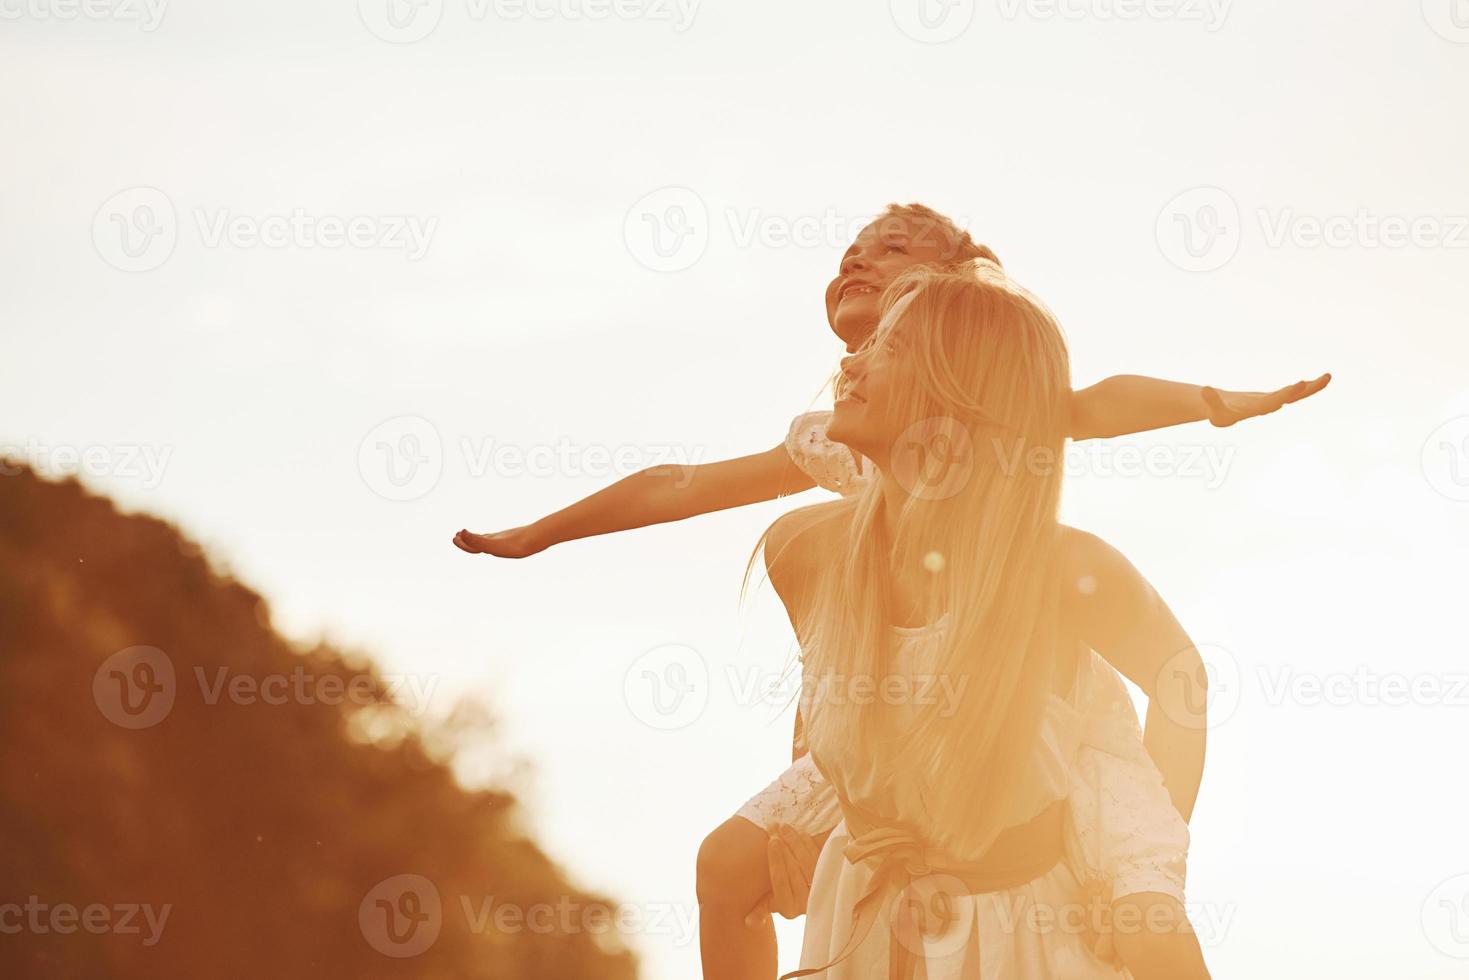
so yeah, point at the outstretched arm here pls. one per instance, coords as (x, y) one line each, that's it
(1125, 621)
(655, 495)
(1128, 403)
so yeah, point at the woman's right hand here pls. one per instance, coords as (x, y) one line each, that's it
(518, 542)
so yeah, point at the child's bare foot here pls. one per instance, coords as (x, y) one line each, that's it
(1228, 407)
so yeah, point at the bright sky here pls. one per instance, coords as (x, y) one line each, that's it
(504, 292)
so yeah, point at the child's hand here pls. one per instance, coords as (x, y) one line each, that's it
(1097, 929)
(792, 857)
(518, 542)
(1228, 407)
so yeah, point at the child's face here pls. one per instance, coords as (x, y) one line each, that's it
(882, 251)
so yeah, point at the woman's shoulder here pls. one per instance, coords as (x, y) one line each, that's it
(799, 544)
(1097, 579)
(805, 533)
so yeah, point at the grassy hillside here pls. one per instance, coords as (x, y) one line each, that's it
(274, 835)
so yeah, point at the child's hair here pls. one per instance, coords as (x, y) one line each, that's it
(985, 359)
(960, 246)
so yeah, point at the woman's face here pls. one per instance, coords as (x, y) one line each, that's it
(867, 416)
(889, 246)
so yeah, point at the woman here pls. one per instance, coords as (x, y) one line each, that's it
(949, 571)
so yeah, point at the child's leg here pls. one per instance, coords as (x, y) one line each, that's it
(1155, 940)
(733, 878)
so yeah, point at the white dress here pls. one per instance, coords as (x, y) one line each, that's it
(1123, 832)
(1030, 928)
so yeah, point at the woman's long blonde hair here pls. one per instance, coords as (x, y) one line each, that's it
(985, 368)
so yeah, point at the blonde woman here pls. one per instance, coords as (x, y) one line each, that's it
(736, 862)
(955, 855)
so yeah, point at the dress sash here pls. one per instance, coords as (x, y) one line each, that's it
(898, 857)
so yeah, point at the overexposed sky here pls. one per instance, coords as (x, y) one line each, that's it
(246, 247)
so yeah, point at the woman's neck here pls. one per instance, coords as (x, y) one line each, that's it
(914, 584)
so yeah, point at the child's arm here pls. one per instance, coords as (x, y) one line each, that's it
(655, 495)
(1129, 403)
(1126, 622)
